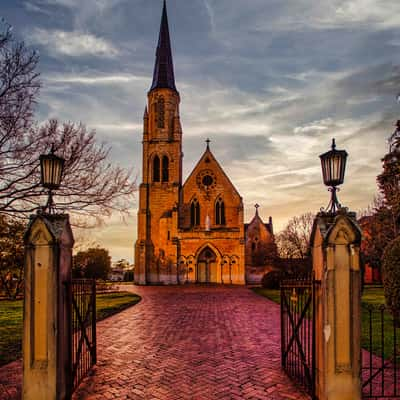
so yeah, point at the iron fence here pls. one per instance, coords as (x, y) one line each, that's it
(381, 354)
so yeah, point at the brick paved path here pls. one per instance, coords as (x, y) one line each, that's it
(190, 343)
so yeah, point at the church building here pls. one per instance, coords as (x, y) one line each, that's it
(192, 231)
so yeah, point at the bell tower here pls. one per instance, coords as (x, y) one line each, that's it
(159, 192)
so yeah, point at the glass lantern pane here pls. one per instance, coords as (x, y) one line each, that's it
(335, 168)
(56, 172)
(52, 171)
(328, 169)
(47, 171)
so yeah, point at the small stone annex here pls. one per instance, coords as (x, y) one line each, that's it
(191, 232)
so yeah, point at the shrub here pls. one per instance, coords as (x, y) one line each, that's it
(272, 280)
(391, 277)
(129, 276)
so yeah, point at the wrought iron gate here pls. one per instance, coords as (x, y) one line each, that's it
(298, 331)
(82, 294)
(381, 354)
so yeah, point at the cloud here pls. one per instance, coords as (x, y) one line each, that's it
(95, 79)
(36, 8)
(119, 127)
(73, 44)
(269, 84)
(314, 127)
(210, 13)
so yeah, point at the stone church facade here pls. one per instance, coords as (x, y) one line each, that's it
(192, 231)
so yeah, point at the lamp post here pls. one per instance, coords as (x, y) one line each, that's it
(333, 165)
(51, 170)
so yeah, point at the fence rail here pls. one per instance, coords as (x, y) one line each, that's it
(381, 354)
(82, 294)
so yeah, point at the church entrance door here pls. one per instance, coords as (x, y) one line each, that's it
(207, 266)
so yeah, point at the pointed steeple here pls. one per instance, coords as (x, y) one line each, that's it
(163, 76)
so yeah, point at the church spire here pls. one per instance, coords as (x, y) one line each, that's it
(163, 76)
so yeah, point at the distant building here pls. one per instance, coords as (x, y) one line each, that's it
(119, 270)
(117, 275)
(190, 231)
(260, 251)
(371, 275)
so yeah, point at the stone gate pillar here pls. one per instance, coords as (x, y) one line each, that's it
(46, 352)
(335, 244)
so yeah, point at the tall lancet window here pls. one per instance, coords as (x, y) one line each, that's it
(220, 212)
(156, 169)
(165, 169)
(160, 112)
(195, 213)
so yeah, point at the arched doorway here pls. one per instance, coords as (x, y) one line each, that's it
(207, 266)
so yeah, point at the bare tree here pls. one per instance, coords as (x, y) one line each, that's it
(19, 86)
(294, 240)
(92, 187)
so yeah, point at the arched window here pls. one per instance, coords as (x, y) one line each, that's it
(195, 213)
(220, 212)
(160, 112)
(156, 169)
(165, 169)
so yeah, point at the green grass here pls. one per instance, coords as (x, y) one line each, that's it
(10, 330)
(272, 294)
(372, 296)
(111, 303)
(11, 320)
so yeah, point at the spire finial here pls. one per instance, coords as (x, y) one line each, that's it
(208, 143)
(333, 144)
(163, 76)
(256, 206)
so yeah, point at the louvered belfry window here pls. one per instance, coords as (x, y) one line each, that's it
(160, 112)
(165, 169)
(156, 169)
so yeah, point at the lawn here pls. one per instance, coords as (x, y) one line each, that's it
(11, 320)
(372, 297)
(112, 303)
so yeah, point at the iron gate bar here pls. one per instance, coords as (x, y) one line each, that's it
(298, 325)
(298, 331)
(295, 329)
(82, 331)
(83, 337)
(383, 367)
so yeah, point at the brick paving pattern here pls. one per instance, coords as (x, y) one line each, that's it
(190, 343)
(11, 381)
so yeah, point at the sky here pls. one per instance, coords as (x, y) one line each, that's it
(270, 82)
